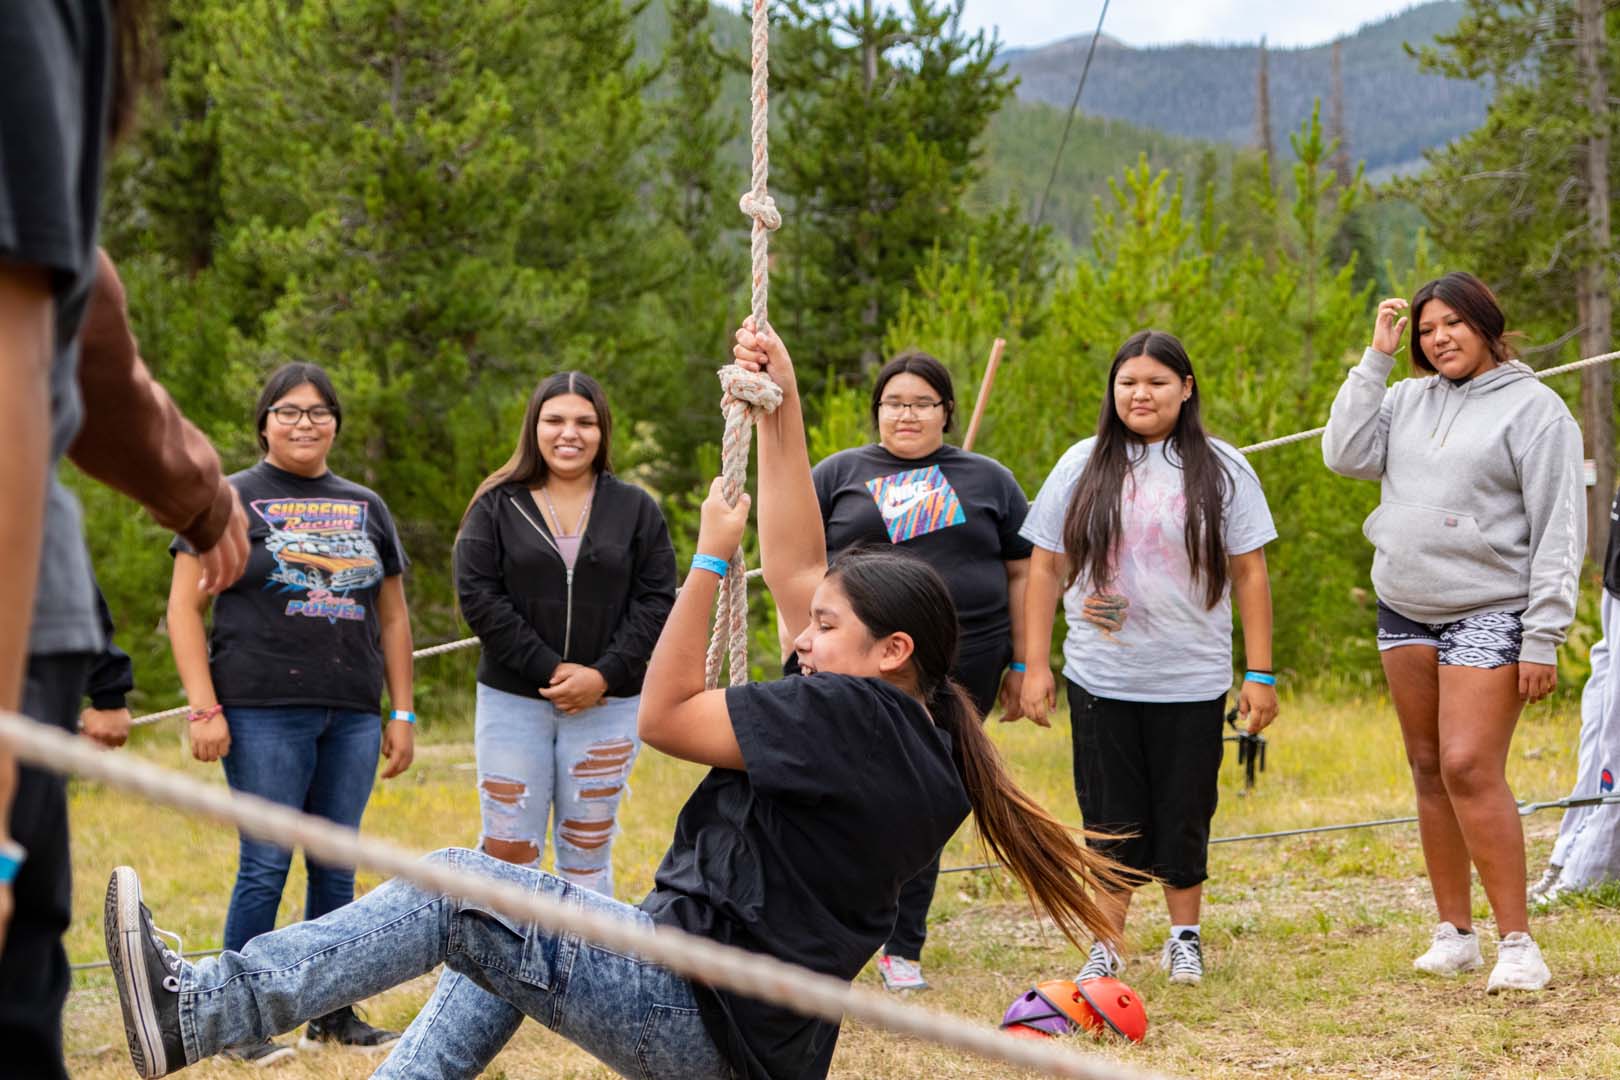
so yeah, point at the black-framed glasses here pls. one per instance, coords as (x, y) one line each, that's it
(289, 415)
(891, 407)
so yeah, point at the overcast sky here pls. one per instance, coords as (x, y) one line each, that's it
(1164, 22)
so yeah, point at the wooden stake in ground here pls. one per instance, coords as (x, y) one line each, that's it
(985, 385)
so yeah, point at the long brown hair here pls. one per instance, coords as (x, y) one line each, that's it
(891, 593)
(1093, 525)
(526, 465)
(1474, 303)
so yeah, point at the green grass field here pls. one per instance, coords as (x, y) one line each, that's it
(1308, 940)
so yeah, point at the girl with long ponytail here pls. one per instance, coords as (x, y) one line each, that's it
(827, 791)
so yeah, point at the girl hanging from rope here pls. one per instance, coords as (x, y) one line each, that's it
(1148, 529)
(787, 847)
(1478, 540)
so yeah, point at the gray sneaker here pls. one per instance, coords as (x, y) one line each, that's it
(1102, 963)
(147, 974)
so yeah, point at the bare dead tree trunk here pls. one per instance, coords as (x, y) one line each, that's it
(1596, 304)
(1336, 128)
(1263, 104)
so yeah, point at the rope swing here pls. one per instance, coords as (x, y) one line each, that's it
(746, 395)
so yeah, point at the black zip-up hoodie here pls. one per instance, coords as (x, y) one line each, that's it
(531, 614)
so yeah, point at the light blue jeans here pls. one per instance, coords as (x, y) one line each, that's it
(638, 1018)
(537, 764)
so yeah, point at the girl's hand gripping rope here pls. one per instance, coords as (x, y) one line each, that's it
(721, 527)
(762, 350)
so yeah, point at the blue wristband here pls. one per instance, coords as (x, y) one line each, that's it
(403, 714)
(1260, 677)
(1016, 666)
(714, 564)
(12, 855)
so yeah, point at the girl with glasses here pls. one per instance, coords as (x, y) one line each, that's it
(284, 688)
(912, 493)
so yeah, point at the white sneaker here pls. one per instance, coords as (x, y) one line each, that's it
(1183, 958)
(1547, 888)
(1452, 952)
(1102, 963)
(1519, 965)
(901, 974)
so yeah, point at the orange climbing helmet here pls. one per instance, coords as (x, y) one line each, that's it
(1062, 1007)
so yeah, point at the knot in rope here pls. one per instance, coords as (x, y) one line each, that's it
(762, 208)
(753, 389)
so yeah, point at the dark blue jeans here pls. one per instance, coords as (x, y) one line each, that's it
(321, 761)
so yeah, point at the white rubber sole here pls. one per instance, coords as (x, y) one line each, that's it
(122, 927)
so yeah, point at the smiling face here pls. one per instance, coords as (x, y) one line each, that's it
(569, 434)
(911, 417)
(1455, 349)
(837, 642)
(301, 446)
(1148, 395)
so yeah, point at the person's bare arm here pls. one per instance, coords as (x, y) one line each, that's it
(1044, 587)
(188, 641)
(1012, 682)
(678, 716)
(394, 619)
(1251, 594)
(792, 542)
(27, 333)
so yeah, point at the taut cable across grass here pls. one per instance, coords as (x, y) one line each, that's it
(749, 973)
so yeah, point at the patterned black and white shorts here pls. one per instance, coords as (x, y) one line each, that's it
(1489, 640)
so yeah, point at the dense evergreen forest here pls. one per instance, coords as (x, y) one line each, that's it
(442, 203)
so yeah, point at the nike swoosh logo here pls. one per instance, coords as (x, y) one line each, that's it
(891, 509)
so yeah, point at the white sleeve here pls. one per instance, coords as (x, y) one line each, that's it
(1248, 518)
(1043, 526)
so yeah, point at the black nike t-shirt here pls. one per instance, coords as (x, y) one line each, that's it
(849, 791)
(300, 627)
(957, 511)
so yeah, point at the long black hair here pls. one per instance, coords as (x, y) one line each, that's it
(527, 465)
(893, 593)
(1092, 526)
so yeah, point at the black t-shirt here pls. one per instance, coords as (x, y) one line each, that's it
(301, 627)
(850, 790)
(957, 511)
(55, 65)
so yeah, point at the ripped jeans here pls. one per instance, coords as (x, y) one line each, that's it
(536, 764)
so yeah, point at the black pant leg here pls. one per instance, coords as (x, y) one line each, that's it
(980, 675)
(1185, 776)
(34, 974)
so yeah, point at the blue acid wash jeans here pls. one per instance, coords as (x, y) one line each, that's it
(318, 760)
(537, 764)
(638, 1018)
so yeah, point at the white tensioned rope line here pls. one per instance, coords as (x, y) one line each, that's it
(746, 395)
(753, 974)
(1301, 436)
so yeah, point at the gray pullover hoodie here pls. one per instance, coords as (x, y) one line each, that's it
(1483, 505)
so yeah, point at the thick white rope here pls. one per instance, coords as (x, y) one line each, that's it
(765, 978)
(1301, 436)
(746, 396)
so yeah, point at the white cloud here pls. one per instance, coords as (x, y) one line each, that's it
(1163, 22)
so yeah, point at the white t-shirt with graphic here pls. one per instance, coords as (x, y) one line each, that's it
(1171, 648)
